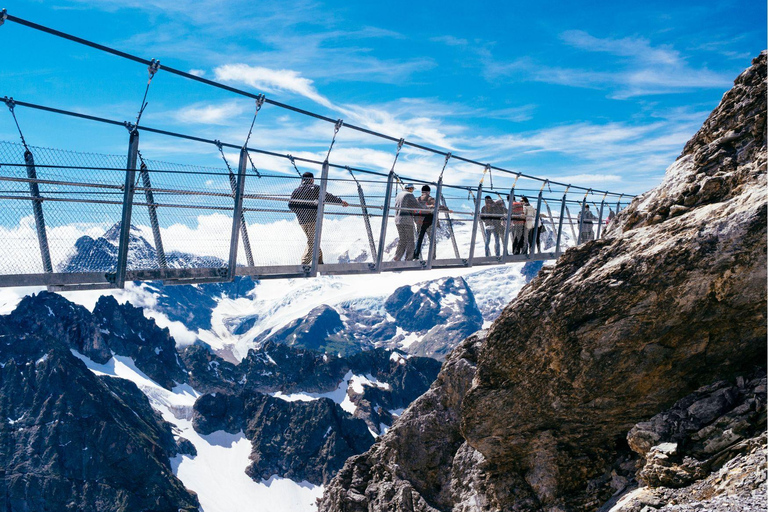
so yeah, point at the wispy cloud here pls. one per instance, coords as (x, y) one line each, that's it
(271, 80)
(206, 113)
(642, 69)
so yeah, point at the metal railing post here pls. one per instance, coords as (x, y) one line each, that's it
(600, 217)
(384, 219)
(152, 207)
(433, 231)
(536, 226)
(37, 210)
(474, 225)
(237, 215)
(319, 219)
(508, 224)
(242, 165)
(560, 227)
(125, 222)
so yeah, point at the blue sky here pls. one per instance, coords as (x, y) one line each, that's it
(598, 94)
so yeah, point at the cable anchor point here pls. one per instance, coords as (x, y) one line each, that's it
(3, 16)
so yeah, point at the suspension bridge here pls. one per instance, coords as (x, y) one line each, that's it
(73, 220)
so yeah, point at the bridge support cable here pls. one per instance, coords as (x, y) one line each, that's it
(508, 225)
(240, 92)
(366, 216)
(319, 220)
(321, 203)
(449, 220)
(233, 184)
(560, 224)
(384, 219)
(571, 224)
(600, 218)
(125, 219)
(152, 69)
(34, 192)
(476, 218)
(435, 219)
(152, 207)
(536, 219)
(392, 181)
(238, 219)
(447, 211)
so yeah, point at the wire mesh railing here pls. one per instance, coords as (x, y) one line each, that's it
(77, 219)
(182, 216)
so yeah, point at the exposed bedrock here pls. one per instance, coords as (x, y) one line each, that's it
(536, 416)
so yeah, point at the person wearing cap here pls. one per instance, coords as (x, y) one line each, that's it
(405, 207)
(304, 202)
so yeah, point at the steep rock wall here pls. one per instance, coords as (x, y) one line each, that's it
(618, 331)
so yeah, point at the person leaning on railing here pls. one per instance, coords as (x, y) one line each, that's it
(304, 202)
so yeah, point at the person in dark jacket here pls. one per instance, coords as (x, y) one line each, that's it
(303, 203)
(406, 207)
(492, 214)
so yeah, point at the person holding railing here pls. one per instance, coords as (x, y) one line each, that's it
(304, 202)
(492, 214)
(530, 224)
(586, 218)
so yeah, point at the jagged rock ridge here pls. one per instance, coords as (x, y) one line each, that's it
(71, 440)
(618, 331)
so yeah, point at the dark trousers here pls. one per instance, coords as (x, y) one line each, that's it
(425, 225)
(518, 238)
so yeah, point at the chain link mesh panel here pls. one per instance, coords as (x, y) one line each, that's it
(81, 198)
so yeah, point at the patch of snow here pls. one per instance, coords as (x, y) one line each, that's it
(42, 359)
(50, 311)
(409, 339)
(217, 473)
(397, 357)
(339, 395)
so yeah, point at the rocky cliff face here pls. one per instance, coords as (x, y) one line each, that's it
(618, 331)
(70, 440)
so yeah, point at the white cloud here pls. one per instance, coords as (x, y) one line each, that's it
(644, 69)
(206, 113)
(271, 80)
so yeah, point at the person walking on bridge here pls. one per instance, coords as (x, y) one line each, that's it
(586, 218)
(425, 218)
(304, 202)
(518, 227)
(492, 214)
(405, 208)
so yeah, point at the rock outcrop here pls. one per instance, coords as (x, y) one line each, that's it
(71, 440)
(619, 330)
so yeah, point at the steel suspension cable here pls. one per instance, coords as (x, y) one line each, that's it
(241, 92)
